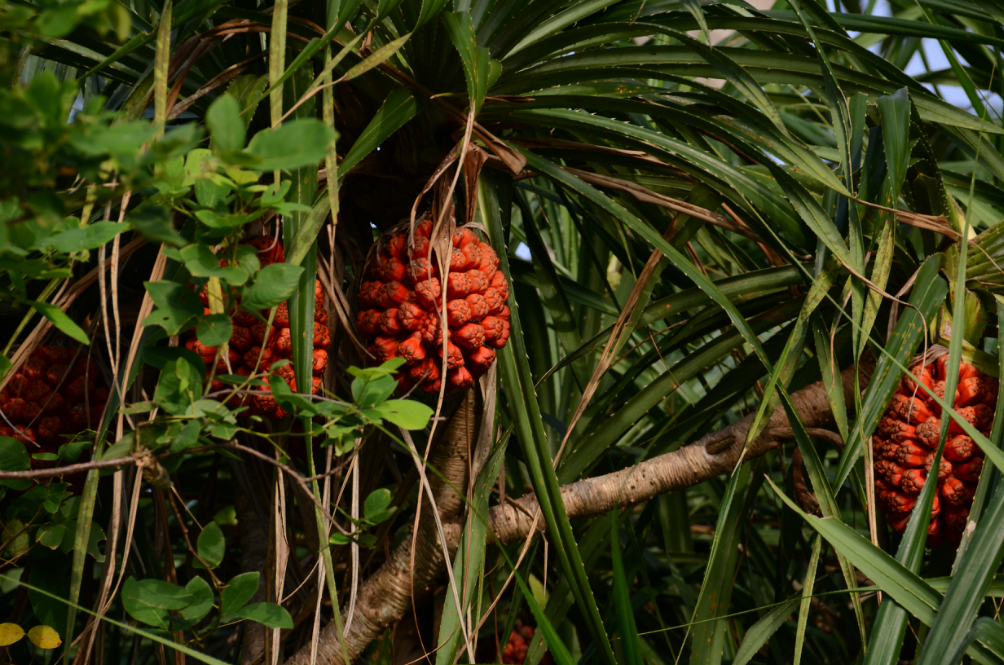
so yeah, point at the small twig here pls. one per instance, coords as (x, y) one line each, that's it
(188, 542)
(296, 477)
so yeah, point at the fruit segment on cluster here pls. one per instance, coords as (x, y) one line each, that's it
(515, 649)
(401, 309)
(907, 437)
(56, 392)
(256, 349)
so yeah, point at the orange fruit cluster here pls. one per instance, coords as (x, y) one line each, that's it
(519, 642)
(907, 437)
(255, 349)
(400, 308)
(52, 395)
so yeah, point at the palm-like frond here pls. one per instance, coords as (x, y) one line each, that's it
(714, 225)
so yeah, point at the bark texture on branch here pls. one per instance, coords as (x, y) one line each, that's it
(714, 454)
(387, 594)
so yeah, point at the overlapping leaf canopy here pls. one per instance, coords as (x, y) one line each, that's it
(714, 203)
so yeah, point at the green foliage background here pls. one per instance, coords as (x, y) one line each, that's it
(747, 189)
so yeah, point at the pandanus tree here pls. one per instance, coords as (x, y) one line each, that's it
(634, 331)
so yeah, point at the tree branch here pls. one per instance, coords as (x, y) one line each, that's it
(714, 454)
(386, 594)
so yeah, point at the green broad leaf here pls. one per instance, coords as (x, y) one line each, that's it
(211, 545)
(371, 392)
(52, 535)
(214, 330)
(247, 89)
(59, 318)
(226, 125)
(377, 508)
(149, 601)
(223, 431)
(400, 106)
(58, 22)
(224, 223)
(154, 223)
(291, 146)
(287, 399)
(14, 457)
(408, 414)
(57, 492)
(180, 385)
(95, 537)
(247, 257)
(176, 305)
(201, 262)
(49, 585)
(200, 167)
(272, 285)
(70, 452)
(237, 593)
(339, 539)
(182, 436)
(270, 614)
(87, 237)
(17, 538)
(45, 457)
(121, 140)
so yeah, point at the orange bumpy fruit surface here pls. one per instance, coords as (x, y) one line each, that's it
(906, 439)
(514, 651)
(56, 392)
(401, 309)
(255, 349)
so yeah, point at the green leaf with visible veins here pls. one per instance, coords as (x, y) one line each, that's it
(272, 285)
(176, 306)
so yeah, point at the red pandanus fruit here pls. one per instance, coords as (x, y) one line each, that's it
(401, 308)
(907, 437)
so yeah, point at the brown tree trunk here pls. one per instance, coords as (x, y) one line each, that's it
(387, 594)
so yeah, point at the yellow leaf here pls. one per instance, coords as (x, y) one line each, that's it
(44, 637)
(10, 633)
